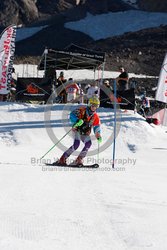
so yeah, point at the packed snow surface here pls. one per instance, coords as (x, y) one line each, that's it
(59, 208)
(30, 70)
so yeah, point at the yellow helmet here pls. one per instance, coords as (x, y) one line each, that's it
(94, 101)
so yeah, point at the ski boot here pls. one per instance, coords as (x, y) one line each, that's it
(61, 161)
(79, 161)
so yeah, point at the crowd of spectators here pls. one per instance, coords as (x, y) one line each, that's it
(71, 91)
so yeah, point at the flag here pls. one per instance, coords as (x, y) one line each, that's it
(161, 115)
(7, 50)
(161, 93)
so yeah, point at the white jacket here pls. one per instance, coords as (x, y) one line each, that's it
(93, 91)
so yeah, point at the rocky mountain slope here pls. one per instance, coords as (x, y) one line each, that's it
(153, 5)
(27, 11)
(141, 52)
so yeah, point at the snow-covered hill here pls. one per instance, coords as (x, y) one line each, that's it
(51, 208)
(106, 25)
(111, 32)
(114, 24)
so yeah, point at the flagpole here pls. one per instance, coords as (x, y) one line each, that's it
(45, 56)
(115, 123)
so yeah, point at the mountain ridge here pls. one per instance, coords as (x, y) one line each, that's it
(142, 51)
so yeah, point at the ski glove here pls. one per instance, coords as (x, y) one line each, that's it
(99, 139)
(79, 123)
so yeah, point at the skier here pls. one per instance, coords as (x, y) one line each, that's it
(83, 119)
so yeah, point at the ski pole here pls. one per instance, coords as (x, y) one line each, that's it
(55, 144)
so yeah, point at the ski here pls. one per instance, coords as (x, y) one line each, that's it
(73, 165)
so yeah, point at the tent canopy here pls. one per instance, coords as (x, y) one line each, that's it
(72, 57)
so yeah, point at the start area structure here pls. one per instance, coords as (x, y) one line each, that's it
(72, 57)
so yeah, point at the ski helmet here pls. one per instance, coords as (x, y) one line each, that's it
(94, 101)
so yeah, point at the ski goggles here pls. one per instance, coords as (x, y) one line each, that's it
(94, 105)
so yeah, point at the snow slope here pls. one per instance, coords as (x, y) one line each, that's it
(23, 33)
(117, 23)
(107, 25)
(30, 70)
(52, 208)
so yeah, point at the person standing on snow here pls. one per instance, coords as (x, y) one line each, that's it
(83, 119)
(71, 89)
(145, 106)
(106, 94)
(122, 80)
(61, 85)
(93, 90)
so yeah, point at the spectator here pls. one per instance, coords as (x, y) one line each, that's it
(71, 89)
(106, 94)
(13, 84)
(122, 80)
(14, 76)
(93, 90)
(60, 84)
(107, 84)
(11, 95)
(132, 83)
(81, 94)
(61, 79)
(145, 106)
(51, 74)
(86, 88)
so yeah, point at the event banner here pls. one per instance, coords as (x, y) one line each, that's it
(161, 94)
(7, 50)
(33, 89)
